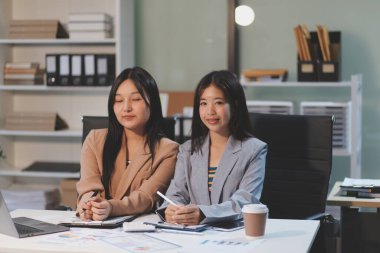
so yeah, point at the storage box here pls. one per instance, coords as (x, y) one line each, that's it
(307, 71)
(318, 69)
(330, 71)
(69, 193)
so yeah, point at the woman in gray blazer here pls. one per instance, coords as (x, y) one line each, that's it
(222, 167)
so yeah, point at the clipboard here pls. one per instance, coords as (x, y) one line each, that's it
(113, 222)
(165, 225)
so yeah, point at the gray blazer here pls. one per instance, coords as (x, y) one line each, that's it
(238, 180)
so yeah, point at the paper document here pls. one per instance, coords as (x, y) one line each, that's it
(354, 182)
(139, 243)
(138, 226)
(224, 245)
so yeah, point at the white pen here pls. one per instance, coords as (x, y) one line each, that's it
(166, 198)
(174, 231)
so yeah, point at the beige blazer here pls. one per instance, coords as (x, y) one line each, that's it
(133, 187)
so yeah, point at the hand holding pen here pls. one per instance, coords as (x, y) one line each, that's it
(86, 213)
(179, 214)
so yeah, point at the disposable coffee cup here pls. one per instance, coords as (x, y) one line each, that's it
(255, 217)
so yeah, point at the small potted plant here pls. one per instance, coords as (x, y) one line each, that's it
(2, 156)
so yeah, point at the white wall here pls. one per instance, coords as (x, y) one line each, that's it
(179, 41)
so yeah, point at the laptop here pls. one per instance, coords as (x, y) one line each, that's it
(24, 227)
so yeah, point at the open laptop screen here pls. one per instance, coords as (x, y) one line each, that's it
(23, 226)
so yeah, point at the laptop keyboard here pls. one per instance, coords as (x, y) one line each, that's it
(23, 229)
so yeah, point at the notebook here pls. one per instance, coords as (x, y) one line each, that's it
(24, 227)
(113, 222)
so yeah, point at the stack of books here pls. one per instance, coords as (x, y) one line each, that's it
(36, 29)
(23, 73)
(37, 121)
(360, 188)
(262, 75)
(90, 26)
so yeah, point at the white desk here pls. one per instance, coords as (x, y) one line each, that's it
(359, 221)
(294, 236)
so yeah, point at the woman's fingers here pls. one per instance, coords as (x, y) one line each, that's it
(100, 210)
(187, 215)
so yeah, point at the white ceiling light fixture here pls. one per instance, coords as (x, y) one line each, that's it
(244, 15)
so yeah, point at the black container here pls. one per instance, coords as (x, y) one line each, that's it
(317, 69)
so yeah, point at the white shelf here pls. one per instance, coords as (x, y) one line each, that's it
(296, 84)
(355, 85)
(39, 42)
(16, 87)
(19, 173)
(61, 133)
(69, 102)
(341, 152)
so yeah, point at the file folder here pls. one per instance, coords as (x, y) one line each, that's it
(64, 70)
(52, 67)
(89, 70)
(76, 70)
(105, 64)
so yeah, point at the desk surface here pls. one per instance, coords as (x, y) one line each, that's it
(335, 199)
(293, 236)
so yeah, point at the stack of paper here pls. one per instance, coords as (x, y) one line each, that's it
(90, 26)
(31, 196)
(265, 75)
(324, 42)
(39, 121)
(23, 73)
(364, 188)
(303, 38)
(36, 29)
(305, 44)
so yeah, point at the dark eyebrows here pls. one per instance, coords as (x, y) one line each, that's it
(132, 93)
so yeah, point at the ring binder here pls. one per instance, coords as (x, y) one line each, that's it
(52, 66)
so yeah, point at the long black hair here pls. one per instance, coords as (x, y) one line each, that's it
(239, 124)
(148, 89)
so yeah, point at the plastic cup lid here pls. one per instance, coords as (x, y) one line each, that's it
(255, 208)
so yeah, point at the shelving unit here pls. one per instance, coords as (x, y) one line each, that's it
(355, 89)
(71, 103)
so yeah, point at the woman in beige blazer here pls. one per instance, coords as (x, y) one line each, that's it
(123, 166)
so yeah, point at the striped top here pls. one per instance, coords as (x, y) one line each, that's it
(211, 175)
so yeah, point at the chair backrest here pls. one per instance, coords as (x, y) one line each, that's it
(298, 164)
(96, 122)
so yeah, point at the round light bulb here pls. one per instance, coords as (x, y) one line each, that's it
(244, 15)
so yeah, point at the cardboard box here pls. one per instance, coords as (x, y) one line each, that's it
(69, 192)
(178, 100)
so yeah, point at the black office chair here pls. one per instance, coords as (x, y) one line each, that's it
(298, 166)
(96, 122)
